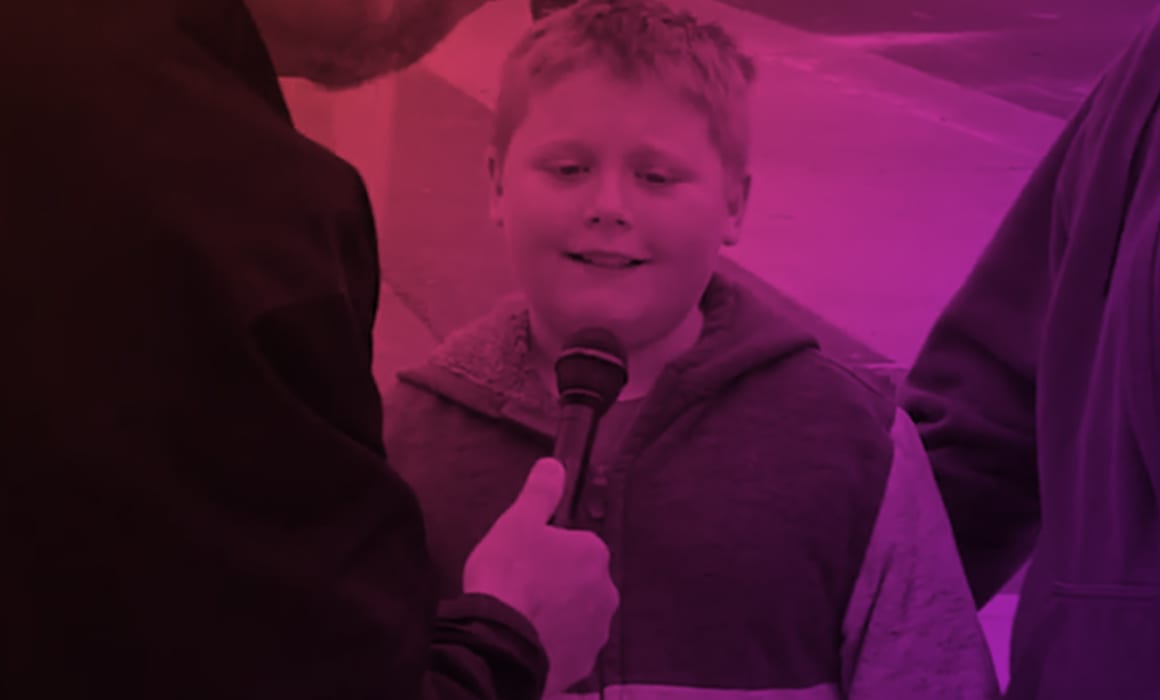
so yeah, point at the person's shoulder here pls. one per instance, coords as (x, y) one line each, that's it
(851, 384)
(475, 368)
(824, 416)
(482, 364)
(825, 389)
(402, 396)
(780, 352)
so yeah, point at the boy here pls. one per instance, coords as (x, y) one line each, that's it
(772, 522)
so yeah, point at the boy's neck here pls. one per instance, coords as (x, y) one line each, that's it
(645, 363)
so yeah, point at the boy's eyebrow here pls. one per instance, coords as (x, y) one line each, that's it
(643, 151)
(564, 144)
(652, 151)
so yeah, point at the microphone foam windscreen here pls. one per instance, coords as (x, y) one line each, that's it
(592, 368)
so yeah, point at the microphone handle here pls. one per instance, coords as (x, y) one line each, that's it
(573, 441)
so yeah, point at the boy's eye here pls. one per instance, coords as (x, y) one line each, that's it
(569, 169)
(655, 178)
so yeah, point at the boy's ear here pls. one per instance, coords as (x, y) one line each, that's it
(737, 199)
(495, 185)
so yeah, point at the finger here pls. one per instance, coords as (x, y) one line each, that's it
(541, 493)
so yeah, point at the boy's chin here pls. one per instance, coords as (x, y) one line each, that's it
(633, 330)
(565, 325)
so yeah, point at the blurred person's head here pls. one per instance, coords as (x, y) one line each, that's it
(619, 168)
(342, 43)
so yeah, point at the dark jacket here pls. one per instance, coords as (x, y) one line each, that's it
(1038, 397)
(775, 530)
(193, 497)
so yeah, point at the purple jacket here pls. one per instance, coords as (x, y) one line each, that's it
(1038, 396)
(774, 527)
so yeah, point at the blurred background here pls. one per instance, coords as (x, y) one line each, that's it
(891, 136)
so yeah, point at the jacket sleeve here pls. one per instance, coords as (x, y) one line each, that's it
(972, 389)
(910, 631)
(484, 649)
(203, 507)
(336, 543)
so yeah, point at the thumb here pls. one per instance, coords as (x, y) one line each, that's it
(541, 493)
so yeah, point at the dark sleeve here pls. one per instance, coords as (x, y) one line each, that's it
(194, 496)
(484, 649)
(972, 389)
(475, 646)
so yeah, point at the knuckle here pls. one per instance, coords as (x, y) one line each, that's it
(613, 597)
(602, 555)
(595, 548)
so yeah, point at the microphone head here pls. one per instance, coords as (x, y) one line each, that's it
(592, 369)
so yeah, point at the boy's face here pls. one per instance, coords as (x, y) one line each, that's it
(615, 202)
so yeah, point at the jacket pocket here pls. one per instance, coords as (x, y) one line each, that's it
(1107, 646)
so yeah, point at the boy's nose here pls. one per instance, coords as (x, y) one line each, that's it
(607, 207)
(607, 218)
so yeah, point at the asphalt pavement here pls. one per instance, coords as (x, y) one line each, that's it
(1040, 54)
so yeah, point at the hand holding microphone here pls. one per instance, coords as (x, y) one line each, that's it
(557, 578)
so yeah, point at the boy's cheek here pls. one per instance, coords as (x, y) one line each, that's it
(547, 231)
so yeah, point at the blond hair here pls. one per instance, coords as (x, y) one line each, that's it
(635, 40)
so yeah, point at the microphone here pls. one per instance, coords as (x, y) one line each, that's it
(590, 372)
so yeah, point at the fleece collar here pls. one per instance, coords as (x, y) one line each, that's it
(485, 367)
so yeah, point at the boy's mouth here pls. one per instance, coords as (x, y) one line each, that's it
(610, 261)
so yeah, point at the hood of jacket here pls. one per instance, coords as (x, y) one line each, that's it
(486, 366)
